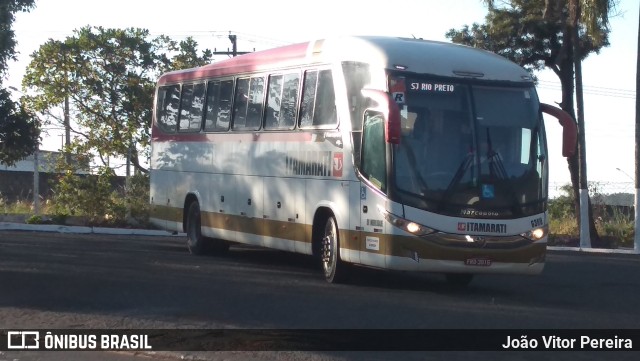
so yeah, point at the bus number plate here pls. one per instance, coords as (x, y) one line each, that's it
(481, 262)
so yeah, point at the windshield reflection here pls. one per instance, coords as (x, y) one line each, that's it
(490, 158)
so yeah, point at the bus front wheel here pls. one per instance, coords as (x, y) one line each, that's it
(335, 270)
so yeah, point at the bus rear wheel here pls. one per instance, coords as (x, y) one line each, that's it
(196, 242)
(335, 270)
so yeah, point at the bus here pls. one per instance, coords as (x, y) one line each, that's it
(391, 153)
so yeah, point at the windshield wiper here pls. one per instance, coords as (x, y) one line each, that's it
(496, 165)
(457, 177)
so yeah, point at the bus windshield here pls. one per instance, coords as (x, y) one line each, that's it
(471, 150)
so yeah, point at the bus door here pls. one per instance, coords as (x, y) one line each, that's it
(373, 170)
(372, 243)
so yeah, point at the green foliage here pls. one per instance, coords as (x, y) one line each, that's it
(187, 55)
(562, 207)
(619, 226)
(612, 222)
(8, 9)
(59, 218)
(137, 198)
(18, 131)
(34, 220)
(87, 195)
(109, 78)
(98, 198)
(534, 34)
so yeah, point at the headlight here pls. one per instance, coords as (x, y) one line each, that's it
(405, 225)
(536, 234)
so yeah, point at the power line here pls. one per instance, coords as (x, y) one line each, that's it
(593, 90)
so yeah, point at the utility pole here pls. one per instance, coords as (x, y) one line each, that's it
(636, 204)
(234, 48)
(36, 181)
(67, 124)
(127, 186)
(585, 234)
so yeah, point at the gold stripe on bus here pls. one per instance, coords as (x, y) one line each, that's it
(389, 245)
(166, 213)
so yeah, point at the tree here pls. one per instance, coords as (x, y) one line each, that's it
(187, 55)
(538, 34)
(109, 77)
(8, 9)
(18, 129)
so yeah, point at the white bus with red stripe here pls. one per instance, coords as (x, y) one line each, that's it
(391, 153)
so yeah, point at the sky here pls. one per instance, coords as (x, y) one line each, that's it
(609, 78)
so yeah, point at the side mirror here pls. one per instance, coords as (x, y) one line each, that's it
(390, 111)
(569, 128)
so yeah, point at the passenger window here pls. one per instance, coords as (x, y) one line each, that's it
(325, 112)
(240, 103)
(289, 106)
(318, 108)
(281, 101)
(254, 108)
(218, 105)
(308, 98)
(168, 103)
(274, 102)
(191, 107)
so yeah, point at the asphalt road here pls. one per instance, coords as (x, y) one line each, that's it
(50, 280)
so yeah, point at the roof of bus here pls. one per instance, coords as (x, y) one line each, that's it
(412, 55)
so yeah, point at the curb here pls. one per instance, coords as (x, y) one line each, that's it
(8, 226)
(594, 250)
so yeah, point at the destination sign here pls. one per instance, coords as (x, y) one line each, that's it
(433, 87)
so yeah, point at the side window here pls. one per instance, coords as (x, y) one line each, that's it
(240, 103)
(167, 105)
(218, 105)
(325, 113)
(373, 163)
(289, 106)
(191, 107)
(282, 98)
(254, 108)
(318, 108)
(308, 98)
(274, 102)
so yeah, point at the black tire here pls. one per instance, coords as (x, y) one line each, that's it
(196, 243)
(335, 270)
(459, 279)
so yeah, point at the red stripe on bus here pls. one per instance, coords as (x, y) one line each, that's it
(288, 55)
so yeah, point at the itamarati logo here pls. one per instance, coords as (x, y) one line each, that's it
(482, 227)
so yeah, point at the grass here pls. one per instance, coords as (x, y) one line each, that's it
(614, 231)
(23, 207)
(48, 214)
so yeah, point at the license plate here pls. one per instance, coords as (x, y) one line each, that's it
(480, 262)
